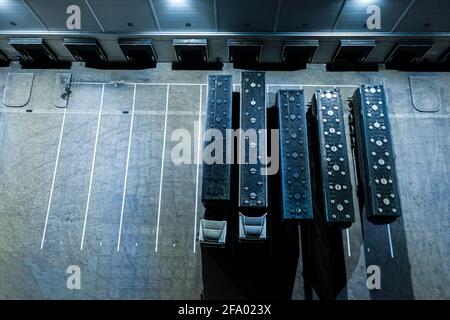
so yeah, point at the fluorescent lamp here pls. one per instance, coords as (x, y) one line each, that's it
(175, 2)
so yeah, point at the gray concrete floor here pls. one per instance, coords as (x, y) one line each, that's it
(156, 220)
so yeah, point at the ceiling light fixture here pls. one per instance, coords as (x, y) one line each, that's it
(177, 2)
(4, 3)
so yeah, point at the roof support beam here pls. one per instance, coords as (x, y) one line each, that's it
(403, 15)
(155, 16)
(95, 16)
(338, 16)
(277, 16)
(35, 15)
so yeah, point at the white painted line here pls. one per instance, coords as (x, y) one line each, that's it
(88, 82)
(348, 243)
(281, 85)
(137, 112)
(390, 241)
(204, 84)
(194, 113)
(126, 169)
(199, 152)
(420, 116)
(53, 179)
(162, 169)
(13, 111)
(170, 113)
(169, 84)
(141, 83)
(313, 85)
(266, 96)
(92, 168)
